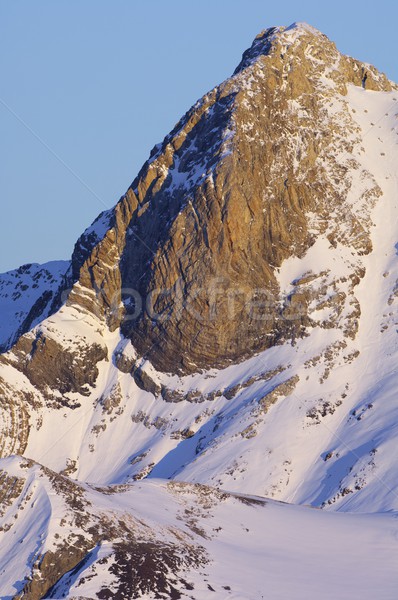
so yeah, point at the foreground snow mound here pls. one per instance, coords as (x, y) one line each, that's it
(157, 539)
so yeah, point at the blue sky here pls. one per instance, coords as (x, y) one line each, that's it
(88, 87)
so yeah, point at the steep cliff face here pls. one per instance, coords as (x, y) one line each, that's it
(252, 175)
(187, 262)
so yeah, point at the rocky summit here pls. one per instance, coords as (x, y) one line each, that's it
(219, 351)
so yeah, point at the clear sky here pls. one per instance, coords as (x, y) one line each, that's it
(88, 87)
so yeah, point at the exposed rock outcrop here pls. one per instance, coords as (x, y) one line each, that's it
(50, 366)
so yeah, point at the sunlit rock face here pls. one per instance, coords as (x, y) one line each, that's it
(253, 174)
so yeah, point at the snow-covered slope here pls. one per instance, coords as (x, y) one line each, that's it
(308, 419)
(154, 539)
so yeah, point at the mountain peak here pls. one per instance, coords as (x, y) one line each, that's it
(301, 26)
(291, 31)
(269, 38)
